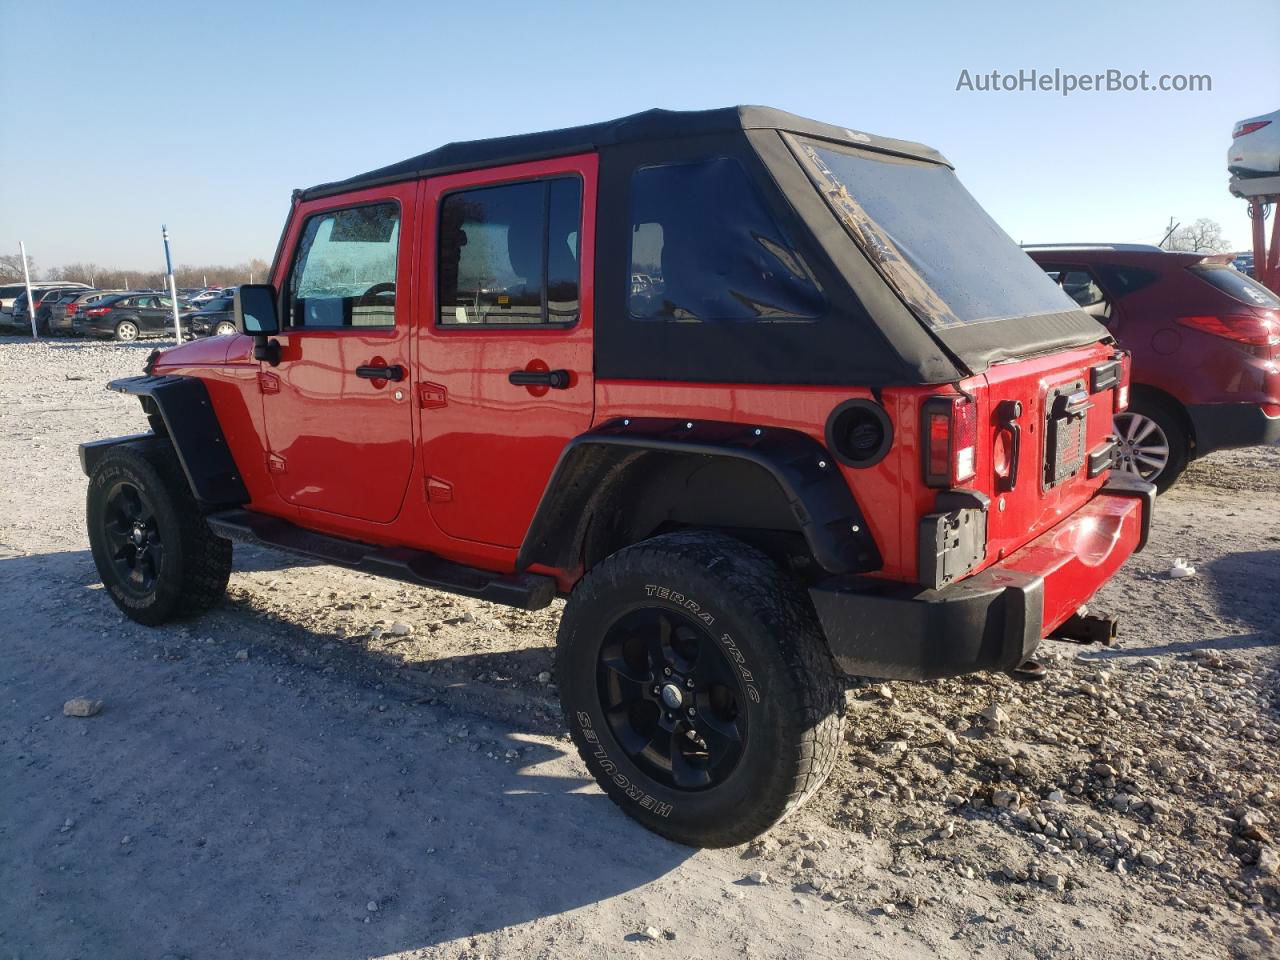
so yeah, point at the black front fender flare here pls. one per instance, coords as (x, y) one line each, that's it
(807, 475)
(192, 424)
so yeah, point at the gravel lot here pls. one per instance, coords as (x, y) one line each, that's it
(292, 777)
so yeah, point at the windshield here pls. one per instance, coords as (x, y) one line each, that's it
(947, 259)
(1235, 284)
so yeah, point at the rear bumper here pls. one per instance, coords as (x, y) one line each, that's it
(1221, 426)
(995, 619)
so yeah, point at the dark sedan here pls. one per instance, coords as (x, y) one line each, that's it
(215, 319)
(63, 313)
(127, 317)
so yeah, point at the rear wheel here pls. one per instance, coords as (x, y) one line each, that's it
(698, 688)
(157, 557)
(126, 331)
(1153, 443)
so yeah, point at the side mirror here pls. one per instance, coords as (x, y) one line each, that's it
(254, 305)
(255, 309)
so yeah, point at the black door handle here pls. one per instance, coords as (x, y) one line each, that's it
(393, 372)
(555, 379)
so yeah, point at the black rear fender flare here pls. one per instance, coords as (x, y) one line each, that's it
(821, 505)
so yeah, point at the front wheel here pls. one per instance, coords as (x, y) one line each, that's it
(126, 331)
(224, 329)
(698, 688)
(156, 555)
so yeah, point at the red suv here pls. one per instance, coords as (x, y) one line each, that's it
(769, 401)
(1205, 340)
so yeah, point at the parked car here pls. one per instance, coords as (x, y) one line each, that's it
(62, 315)
(1205, 340)
(8, 294)
(215, 319)
(1255, 147)
(850, 436)
(204, 296)
(126, 317)
(47, 292)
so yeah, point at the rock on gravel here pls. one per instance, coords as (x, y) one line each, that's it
(81, 707)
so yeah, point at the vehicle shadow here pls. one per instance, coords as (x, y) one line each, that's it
(274, 812)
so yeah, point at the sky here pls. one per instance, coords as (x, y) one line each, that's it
(116, 118)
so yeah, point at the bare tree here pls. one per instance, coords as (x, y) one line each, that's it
(1203, 236)
(116, 278)
(11, 266)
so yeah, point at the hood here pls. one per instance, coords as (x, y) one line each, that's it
(195, 353)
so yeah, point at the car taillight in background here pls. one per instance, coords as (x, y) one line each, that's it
(1259, 334)
(949, 439)
(1250, 127)
(71, 310)
(97, 311)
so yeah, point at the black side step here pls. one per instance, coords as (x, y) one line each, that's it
(528, 591)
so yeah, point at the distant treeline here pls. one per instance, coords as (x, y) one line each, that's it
(115, 278)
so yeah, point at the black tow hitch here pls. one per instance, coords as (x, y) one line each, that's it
(1086, 628)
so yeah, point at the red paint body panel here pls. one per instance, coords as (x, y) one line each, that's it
(1079, 555)
(346, 443)
(879, 489)
(494, 443)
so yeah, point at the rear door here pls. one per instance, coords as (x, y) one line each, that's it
(505, 365)
(1040, 419)
(337, 406)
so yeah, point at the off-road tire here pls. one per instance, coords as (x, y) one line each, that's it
(760, 617)
(196, 563)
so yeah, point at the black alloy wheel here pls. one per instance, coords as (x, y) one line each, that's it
(134, 542)
(671, 698)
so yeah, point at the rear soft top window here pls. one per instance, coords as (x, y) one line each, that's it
(1236, 284)
(928, 237)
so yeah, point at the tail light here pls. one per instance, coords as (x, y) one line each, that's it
(1260, 334)
(1122, 391)
(1250, 127)
(949, 439)
(97, 311)
(71, 310)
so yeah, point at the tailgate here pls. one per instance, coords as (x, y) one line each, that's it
(1046, 442)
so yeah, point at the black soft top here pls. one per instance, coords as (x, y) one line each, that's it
(648, 125)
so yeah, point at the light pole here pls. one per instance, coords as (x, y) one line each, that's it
(173, 285)
(26, 275)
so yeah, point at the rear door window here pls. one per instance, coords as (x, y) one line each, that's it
(1236, 285)
(704, 249)
(509, 254)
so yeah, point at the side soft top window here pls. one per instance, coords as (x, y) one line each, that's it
(704, 249)
(344, 269)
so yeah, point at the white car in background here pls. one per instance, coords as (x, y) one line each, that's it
(1255, 147)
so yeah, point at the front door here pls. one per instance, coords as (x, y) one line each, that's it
(337, 407)
(505, 361)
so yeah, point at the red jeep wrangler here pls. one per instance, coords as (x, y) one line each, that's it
(769, 401)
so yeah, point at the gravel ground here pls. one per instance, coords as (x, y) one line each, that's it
(295, 775)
